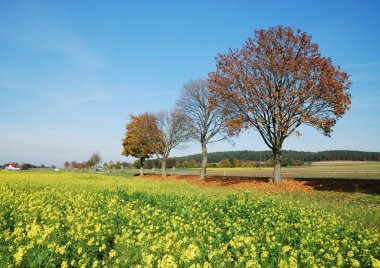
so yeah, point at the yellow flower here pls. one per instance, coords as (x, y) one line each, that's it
(292, 262)
(64, 264)
(286, 249)
(355, 263)
(283, 264)
(60, 250)
(252, 264)
(70, 218)
(19, 255)
(375, 262)
(112, 254)
(190, 253)
(264, 254)
(167, 261)
(102, 247)
(207, 265)
(95, 264)
(90, 242)
(148, 259)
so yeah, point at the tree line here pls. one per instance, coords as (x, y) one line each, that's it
(246, 155)
(276, 82)
(91, 163)
(247, 158)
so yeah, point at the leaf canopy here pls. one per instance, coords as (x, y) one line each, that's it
(142, 138)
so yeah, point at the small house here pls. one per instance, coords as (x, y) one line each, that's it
(12, 166)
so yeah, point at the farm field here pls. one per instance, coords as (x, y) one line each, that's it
(87, 220)
(328, 169)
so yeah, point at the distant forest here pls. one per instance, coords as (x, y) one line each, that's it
(296, 155)
(254, 158)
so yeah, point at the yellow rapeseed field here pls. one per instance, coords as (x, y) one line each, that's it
(84, 220)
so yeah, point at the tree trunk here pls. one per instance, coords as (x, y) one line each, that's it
(204, 161)
(163, 166)
(277, 165)
(142, 167)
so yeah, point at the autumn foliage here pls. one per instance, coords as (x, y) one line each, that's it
(142, 138)
(275, 83)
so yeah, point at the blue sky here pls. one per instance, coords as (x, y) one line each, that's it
(71, 72)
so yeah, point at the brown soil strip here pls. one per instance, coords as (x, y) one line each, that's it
(288, 185)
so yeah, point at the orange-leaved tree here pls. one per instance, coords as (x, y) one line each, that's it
(142, 138)
(275, 83)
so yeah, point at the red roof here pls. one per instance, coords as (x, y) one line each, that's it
(14, 164)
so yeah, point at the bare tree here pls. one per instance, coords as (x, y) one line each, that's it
(66, 165)
(204, 123)
(94, 160)
(73, 164)
(173, 125)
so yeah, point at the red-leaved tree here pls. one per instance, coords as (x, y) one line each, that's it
(275, 83)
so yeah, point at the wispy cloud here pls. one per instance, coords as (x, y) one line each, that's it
(364, 72)
(366, 102)
(12, 81)
(362, 65)
(77, 98)
(137, 95)
(55, 87)
(46, 36)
